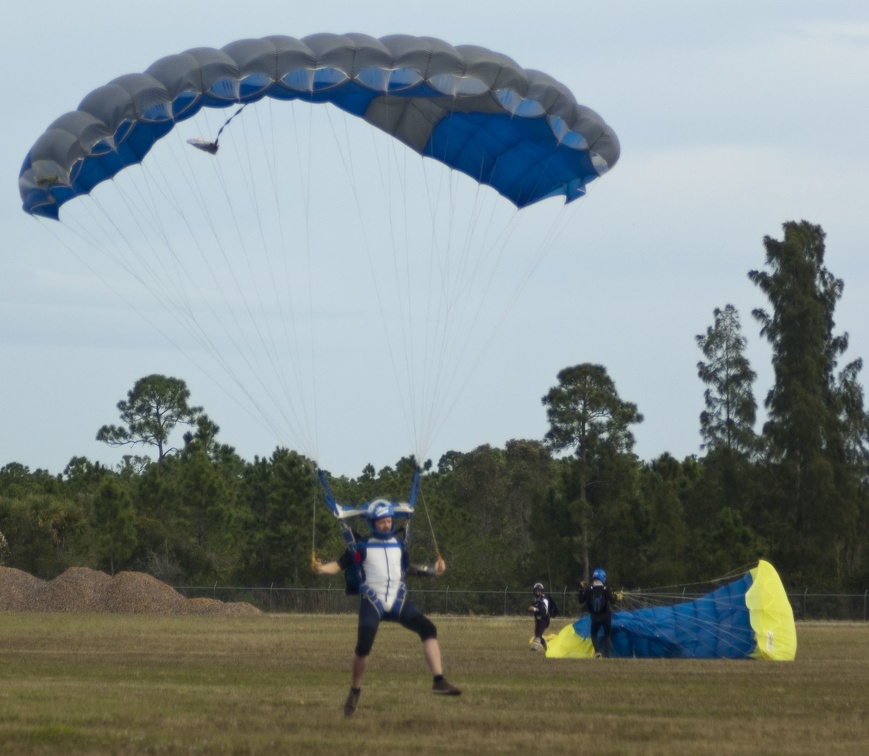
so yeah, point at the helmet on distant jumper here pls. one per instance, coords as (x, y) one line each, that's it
(599, 574)
(538, 587)
(380, 508)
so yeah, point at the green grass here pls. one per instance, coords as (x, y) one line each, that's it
(77, 683)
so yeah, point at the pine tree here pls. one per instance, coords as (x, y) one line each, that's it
(728, 420)
(587, 415)
(811, 485)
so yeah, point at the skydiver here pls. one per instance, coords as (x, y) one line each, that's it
(382, 562)
(540, 607)
(599, 599)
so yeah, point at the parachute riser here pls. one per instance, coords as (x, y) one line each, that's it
(344, 513)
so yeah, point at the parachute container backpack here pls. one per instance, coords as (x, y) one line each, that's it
(260, 236)
(553, 607)
(598, 603)
(748, 618)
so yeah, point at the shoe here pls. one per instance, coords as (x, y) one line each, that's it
(352, 702)
(443, 688)
(597, 655)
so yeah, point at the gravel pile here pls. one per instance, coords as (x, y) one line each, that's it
(80, 589)
(18, 590)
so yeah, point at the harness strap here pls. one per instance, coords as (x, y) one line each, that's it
(378, 604)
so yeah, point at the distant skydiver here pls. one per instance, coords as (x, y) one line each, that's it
(599, 599)
(380, 562)
(540, 607)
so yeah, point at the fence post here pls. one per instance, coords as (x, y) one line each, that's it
(505, 600)
(865, 593)
(805, 601)
(564, 602)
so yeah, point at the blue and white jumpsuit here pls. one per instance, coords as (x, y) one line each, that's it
(383, 563)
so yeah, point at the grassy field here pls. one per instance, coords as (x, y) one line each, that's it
(79, 683)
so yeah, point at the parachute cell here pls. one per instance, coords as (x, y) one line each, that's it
(748, 618)
(477, 111)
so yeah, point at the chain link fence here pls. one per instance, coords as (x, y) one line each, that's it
(506, 602)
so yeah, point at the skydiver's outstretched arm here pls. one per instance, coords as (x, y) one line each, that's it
(326, 568)
(435, 570)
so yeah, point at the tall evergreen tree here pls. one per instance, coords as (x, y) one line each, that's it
(851, 557)
(586, 415)
(728, 420)
(805, 435)
(114, 523)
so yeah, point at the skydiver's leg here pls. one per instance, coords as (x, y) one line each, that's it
(357, 670)
(413, 619)
(595, 629)
(432, 651)
(607, 634)
(369, 621)
(540, 626)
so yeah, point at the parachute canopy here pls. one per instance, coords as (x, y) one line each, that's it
(748, 618)
(475, 110)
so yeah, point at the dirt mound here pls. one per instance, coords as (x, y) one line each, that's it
(139, 593)
(213, 606)
(80, 589)
(76, 590)
(19, 591)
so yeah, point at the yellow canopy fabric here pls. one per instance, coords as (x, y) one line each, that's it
(569, 645)
(771, 615)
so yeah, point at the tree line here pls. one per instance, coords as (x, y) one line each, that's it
(793, 492)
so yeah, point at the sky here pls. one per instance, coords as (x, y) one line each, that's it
(734, 117)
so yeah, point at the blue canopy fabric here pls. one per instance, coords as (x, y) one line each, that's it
(477, 111)
(700, 629)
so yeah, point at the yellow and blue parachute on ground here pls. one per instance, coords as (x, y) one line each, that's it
(749, 618)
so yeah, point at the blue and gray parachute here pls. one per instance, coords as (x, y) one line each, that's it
(748, 618)
(477, 111)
